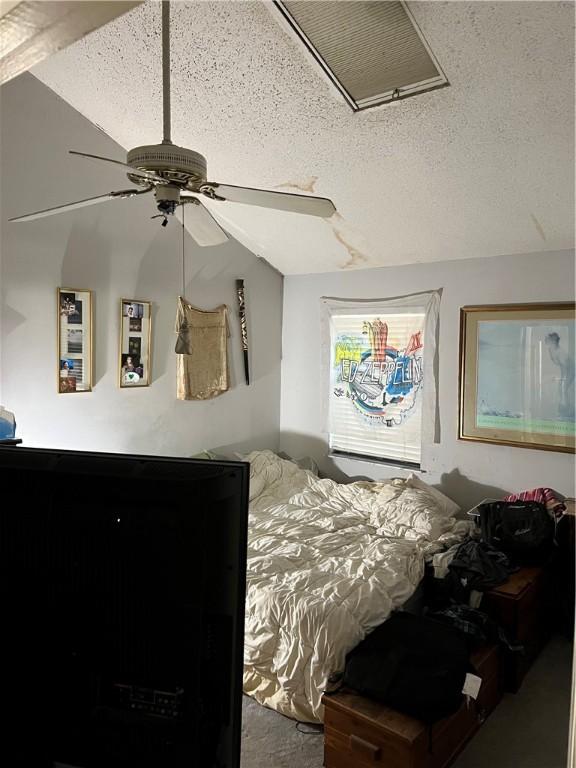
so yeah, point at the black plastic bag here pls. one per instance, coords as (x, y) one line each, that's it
(413, 664)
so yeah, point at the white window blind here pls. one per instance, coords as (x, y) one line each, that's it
(378, 357)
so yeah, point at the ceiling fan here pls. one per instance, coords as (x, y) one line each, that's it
(177, 176)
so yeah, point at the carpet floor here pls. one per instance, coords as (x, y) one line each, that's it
(270, 740)
(528, 729)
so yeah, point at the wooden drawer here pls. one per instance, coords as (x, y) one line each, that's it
(486, 661)
(520, 603)
(360, 733)
(449, 736)
(521, 607)
(351, 751)
(489, 696)
(488, 665)
(339, 757)
(377, 737)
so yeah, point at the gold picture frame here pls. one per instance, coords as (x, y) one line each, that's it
(135, 346)
(517, 375)
(75, 363)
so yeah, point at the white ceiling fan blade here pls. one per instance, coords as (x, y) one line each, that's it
(79, 204)
(149, 175)
(281, 201)
(203, 226)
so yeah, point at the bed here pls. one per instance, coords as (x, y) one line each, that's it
(327, 563)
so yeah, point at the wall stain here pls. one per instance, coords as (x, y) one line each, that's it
(538, 227)
(304, 185)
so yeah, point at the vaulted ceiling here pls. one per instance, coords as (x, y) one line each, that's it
(480, 168)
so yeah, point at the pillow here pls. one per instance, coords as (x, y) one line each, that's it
(447, 506)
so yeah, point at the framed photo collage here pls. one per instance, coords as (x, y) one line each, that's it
(75, 342)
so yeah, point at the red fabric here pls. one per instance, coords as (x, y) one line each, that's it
(545, 496)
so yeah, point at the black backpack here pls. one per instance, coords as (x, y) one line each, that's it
(522, 529)
(413, 664)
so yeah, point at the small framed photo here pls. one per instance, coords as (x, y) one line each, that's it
(517, 375)
(74, 340)
(135, 343)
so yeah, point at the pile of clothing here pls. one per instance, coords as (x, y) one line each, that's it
(522, 529)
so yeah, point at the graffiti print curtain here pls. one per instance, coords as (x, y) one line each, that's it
(379, 373)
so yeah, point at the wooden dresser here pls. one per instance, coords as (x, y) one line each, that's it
(359, 732)
(521, 606)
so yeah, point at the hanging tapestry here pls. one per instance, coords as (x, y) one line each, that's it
(381, 391)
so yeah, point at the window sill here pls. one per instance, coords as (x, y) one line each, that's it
(398, 464)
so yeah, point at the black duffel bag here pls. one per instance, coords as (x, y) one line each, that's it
(413, 664)
(521, 529)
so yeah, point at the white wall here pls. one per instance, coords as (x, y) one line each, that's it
(116, 250)
(466, 471)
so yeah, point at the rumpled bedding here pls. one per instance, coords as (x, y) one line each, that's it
(327, 563)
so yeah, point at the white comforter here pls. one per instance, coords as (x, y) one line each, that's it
(327, 563)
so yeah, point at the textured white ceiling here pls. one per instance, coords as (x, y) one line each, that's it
(483, 167)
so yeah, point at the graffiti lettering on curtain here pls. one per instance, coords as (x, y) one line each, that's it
(377, 366)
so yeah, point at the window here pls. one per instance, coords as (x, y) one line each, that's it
(378, 362)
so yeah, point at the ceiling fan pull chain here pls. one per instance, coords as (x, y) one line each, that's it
(183, 263)
(166, 69)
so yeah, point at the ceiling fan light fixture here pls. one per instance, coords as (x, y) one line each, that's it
(167, 199)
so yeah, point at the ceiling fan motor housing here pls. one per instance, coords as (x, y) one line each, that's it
(177, 165)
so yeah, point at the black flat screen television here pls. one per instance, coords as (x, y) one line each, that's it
(122, 582)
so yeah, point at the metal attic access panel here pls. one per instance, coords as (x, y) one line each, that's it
(372, 51)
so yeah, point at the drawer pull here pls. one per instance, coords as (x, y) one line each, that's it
(364, 747)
